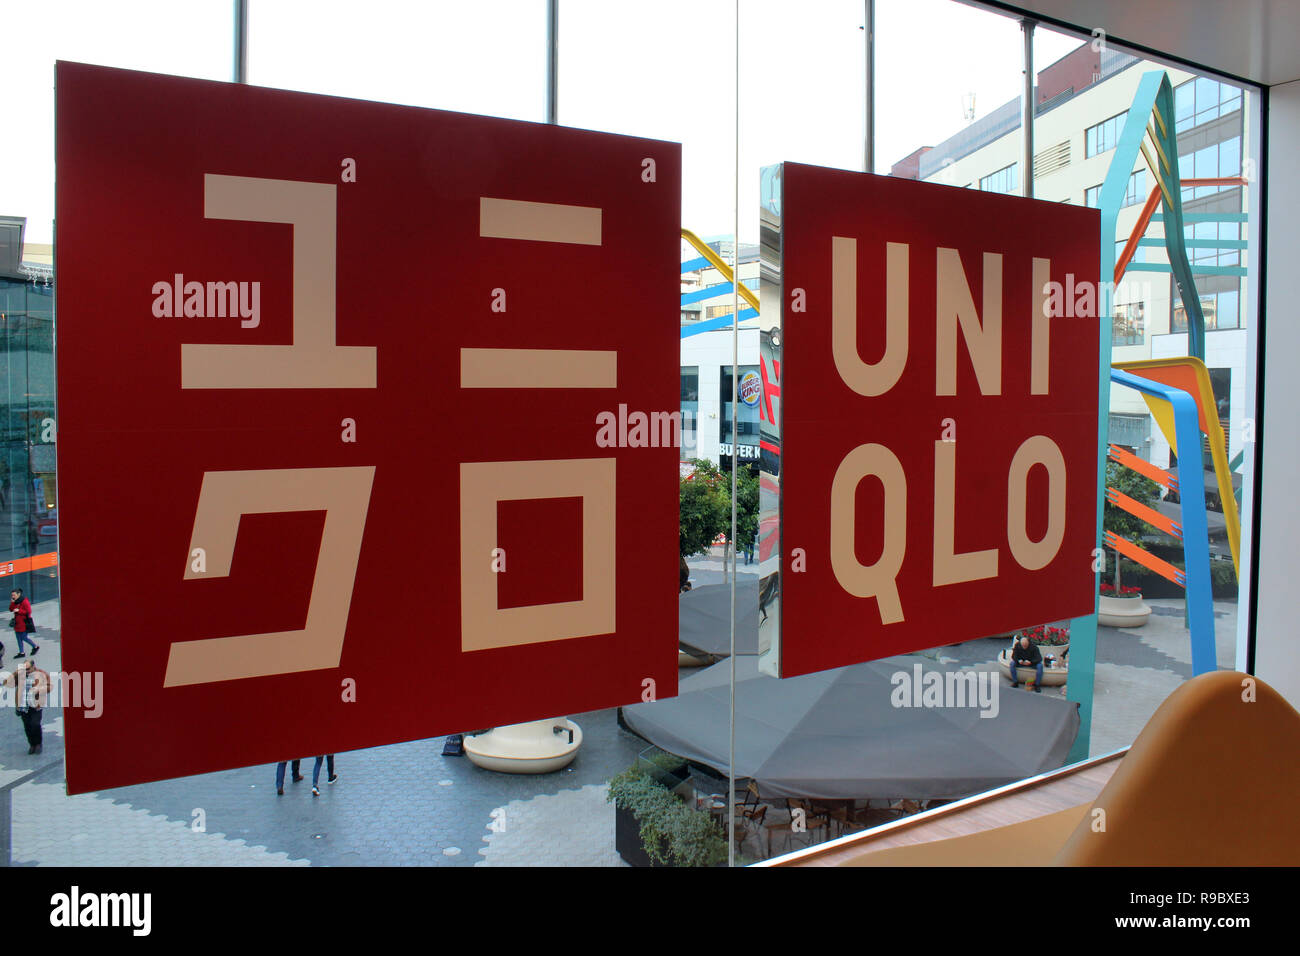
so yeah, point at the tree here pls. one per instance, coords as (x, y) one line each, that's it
(746, 508)
(1116, 519)
(705, 502)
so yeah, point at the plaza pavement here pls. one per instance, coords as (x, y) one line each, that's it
(406, 804)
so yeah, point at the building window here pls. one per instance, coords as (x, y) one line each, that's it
(1220, 303)
(1139, 254)
(747, 423)
(690, 409)
(1104, 136)
(1201, 100)
(28, 485)
(1137, 188)
(1203, 235)
(1214, 161)
(1128, 327)
(1221, 384)
(1134, 194)
(1005, 180)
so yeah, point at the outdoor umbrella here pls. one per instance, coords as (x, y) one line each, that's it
(837, 734)
(704, 618)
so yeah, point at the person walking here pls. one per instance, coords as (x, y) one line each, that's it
(279, 775)
(31, 687)
(22, 623)
(315, 773)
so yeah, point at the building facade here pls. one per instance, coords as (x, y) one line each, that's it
(1081, 105)
(28, 489)
(706, 363)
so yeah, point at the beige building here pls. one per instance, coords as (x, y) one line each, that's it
(1082, 101)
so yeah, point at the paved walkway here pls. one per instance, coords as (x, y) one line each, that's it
(569, 828)
(406, 804)
(1137, 668)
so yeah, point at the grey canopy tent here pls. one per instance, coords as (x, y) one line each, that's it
(704, 618)
(837, 734)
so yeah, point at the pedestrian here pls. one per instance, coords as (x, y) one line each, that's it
(1026, 654)
(22, 623)
(279, 775)
(31, 687)
(315, 773)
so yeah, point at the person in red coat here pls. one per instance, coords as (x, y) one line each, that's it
(22, 621)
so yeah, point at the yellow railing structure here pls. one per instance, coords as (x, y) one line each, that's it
(717, 262)
(1190, 375)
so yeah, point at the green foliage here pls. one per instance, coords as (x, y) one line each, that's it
(705, 501)
(671, 832)
(1223, 577)
(705, 508)
(746, 508)
(666, 761)
(1116, 519)
(1137, 487)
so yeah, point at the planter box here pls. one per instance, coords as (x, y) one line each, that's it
(1052, 676)
(627, 839)
(1122, 611)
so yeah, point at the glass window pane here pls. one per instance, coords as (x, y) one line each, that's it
(1207, 98)
(473, 58)
(1184, 103)
(160, 36)
(1207, 162)
(1228, 311)
(649, 88)
(1230, 157)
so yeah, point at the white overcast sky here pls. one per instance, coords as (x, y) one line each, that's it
(663, 69)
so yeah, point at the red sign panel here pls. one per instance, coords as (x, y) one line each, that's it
(939, 415)
(332, 379)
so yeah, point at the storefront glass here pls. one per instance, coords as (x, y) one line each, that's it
(947, 87)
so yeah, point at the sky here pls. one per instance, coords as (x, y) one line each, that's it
(664, 70)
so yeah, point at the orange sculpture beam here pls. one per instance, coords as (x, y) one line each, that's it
(1145, 558)
(1148, 210)
(1145, 468)
(1143, 513)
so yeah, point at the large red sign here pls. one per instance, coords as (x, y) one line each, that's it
(331, 383)
(938, 415)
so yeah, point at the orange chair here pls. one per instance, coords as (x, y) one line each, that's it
(1212, 780)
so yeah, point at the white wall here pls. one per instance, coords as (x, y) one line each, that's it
(1277, 617)
(709, 351)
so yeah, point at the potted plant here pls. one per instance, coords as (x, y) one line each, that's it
(1054, 640)
(654, 827)
(1119, 606)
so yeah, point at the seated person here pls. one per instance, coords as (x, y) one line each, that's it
(1024, 653)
